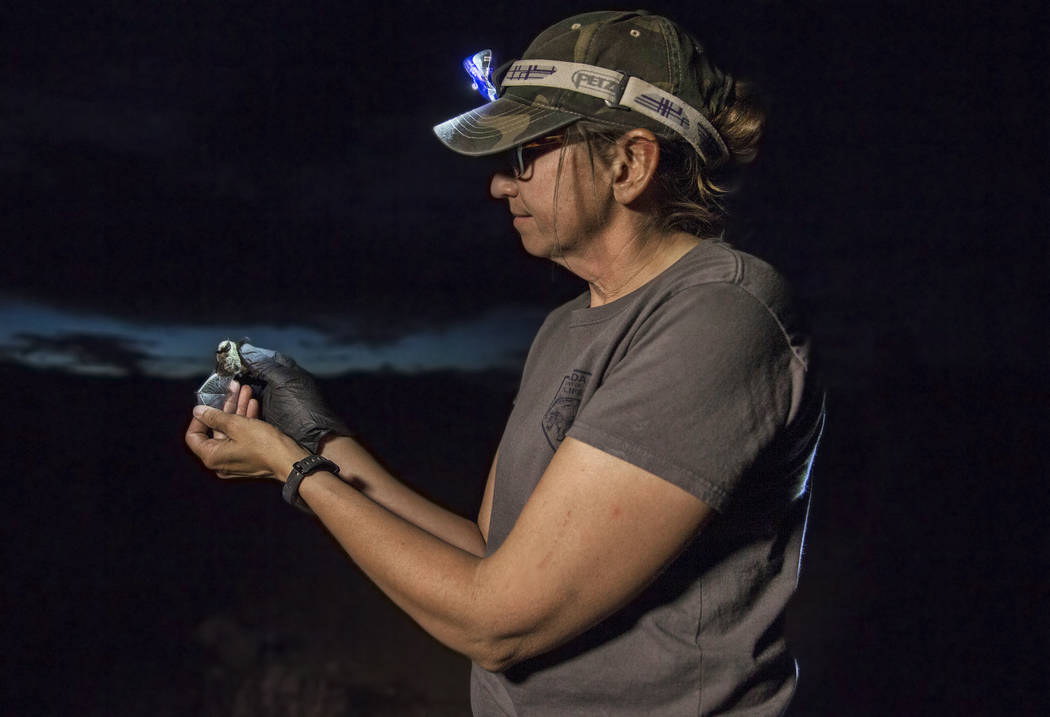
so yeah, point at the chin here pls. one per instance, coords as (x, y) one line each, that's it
(537, 246)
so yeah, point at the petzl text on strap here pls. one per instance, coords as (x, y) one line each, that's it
(620, 90)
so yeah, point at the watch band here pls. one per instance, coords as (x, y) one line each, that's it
(301, 469)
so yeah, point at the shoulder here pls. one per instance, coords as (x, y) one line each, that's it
(716, 285)
(715, 262)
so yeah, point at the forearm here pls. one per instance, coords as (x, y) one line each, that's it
(437, 584)
(594, 533)
(366, 474)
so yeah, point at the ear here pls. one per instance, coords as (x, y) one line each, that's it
(635, 164)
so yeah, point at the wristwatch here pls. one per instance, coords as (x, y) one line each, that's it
(301, 469)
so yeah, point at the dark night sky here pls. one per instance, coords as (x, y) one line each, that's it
(174, 173)
(251, 165)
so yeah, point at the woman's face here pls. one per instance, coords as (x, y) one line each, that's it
(559, 227)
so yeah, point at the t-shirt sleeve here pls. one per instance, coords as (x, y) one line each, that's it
(702, 388)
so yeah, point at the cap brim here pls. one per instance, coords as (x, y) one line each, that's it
(500, 125)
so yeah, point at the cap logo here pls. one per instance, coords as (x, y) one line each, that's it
(664, 107)
(522, 73)
(607, 83)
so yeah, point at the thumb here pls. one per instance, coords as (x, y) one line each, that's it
(214, 418)
(255, 353)
(264, 363)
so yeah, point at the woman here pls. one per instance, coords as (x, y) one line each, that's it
(640, 529)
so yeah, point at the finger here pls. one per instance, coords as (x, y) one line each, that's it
(213, 453)
(196, 430)
(254, 409)
(248, 351)
(215, 419)
(229, 405)
(257, 359)
(243, 399)
(198, 439)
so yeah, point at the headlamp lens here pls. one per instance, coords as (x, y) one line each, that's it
(479, 67)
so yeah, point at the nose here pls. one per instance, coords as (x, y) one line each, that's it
(503, 186)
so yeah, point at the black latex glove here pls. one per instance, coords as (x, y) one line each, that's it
(290, 399)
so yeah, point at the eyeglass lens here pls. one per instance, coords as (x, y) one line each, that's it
(523, 155)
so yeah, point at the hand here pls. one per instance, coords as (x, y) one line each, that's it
(236, 446)
(238, 400)
(291, 401)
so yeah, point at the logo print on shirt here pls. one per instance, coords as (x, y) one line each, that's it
(562, 411)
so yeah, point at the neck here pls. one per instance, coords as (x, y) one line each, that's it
(615, 269)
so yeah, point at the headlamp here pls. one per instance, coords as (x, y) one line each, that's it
(479, 67)
(619, 90)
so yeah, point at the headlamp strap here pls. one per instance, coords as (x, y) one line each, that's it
(621, 90)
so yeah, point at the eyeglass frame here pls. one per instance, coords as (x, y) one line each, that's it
(518, 164)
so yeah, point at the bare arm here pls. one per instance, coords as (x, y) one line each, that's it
(594, 533)
(365, 473)
(360, 468)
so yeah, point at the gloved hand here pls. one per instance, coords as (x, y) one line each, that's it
(290, 399)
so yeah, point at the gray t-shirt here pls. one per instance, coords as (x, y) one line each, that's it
(699, 377)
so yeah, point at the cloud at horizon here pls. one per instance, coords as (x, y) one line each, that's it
(37, 335)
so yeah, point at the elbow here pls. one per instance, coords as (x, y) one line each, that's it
(504, 642)
(501, 647)
(498, 655)
(521, 626)
(492, 663)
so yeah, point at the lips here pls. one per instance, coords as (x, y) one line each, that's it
(517, 213)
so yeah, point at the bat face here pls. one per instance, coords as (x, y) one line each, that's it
(228, 360)
(228, 365)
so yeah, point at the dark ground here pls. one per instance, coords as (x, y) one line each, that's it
(138, 584)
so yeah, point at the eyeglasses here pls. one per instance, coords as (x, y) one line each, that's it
(523, 155)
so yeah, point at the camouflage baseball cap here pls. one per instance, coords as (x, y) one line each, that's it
(624, 69)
